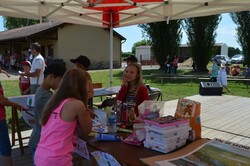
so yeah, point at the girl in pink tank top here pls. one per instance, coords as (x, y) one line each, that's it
(63, 112)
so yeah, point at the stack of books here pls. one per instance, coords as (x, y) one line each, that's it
(166, 134)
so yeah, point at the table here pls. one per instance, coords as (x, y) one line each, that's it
(112, 91)
(22, 100)
(124, 153)
(106, 91)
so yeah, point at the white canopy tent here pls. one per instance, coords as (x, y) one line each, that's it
(140, 11)
(117, 13)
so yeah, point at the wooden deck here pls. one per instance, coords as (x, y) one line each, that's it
(226, 117)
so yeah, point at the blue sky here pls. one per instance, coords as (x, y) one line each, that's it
(225, 33)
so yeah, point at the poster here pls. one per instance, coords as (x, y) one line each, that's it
(216, 152)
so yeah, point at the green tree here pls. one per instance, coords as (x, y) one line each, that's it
(139, 43)
(164, 38)
(127, 54)
(232, 51)
(12, 22)
(242, 20)
(201, 32)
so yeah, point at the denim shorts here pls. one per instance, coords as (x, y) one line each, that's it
(5, 147)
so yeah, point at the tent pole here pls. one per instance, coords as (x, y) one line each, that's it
(111, 50)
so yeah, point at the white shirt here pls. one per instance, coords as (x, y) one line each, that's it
(37, 63)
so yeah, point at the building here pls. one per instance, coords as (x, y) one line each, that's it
(185, 51)
(145, 55)
(63, 41)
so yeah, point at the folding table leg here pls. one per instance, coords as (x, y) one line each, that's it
(17, 129)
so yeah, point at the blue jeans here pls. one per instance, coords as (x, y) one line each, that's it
(5, 147)
(33, 155)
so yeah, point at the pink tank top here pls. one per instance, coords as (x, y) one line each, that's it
(56, 145)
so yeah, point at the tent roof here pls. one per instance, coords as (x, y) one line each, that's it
(143, 11)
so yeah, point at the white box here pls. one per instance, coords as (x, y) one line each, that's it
(166, 133)
(168, 140)
(167, 126)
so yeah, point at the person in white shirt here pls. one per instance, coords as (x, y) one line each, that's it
(222, 76)
(37, 68)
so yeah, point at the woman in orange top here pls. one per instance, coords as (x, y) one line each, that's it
(235, 70)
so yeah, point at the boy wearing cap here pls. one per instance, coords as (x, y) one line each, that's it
(52, 77)
(83, 62)
(24, 82)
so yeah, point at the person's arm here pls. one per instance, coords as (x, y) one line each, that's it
(19, 84)
(38, 68)
(238, 70)
(5, 72)
(91, 89)
(75, 109)
(90, 86)
(142, 95)
(122, 93)
(26, 91)
(31, 74)
(6, 102)
(84, 119)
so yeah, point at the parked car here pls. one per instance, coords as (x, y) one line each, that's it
(237, 59)
(221, 58)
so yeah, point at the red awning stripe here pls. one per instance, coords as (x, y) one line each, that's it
(113, 7)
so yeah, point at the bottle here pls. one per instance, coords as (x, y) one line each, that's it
(124, 113)
(112, 122)
(131, 115)
(118, 112)
(108, 110)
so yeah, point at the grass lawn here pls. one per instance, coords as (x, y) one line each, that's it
(172, 89)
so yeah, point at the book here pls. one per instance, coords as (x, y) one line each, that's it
(157, 123)
(167, 140)
(161, 148)
(214, 152)
(166, 133)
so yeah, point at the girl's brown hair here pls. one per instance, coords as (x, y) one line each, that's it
(73, 85)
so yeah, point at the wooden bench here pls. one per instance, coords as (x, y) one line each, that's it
(152, 76)
(177, 77)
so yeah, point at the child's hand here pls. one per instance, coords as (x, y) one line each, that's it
(19, 107)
